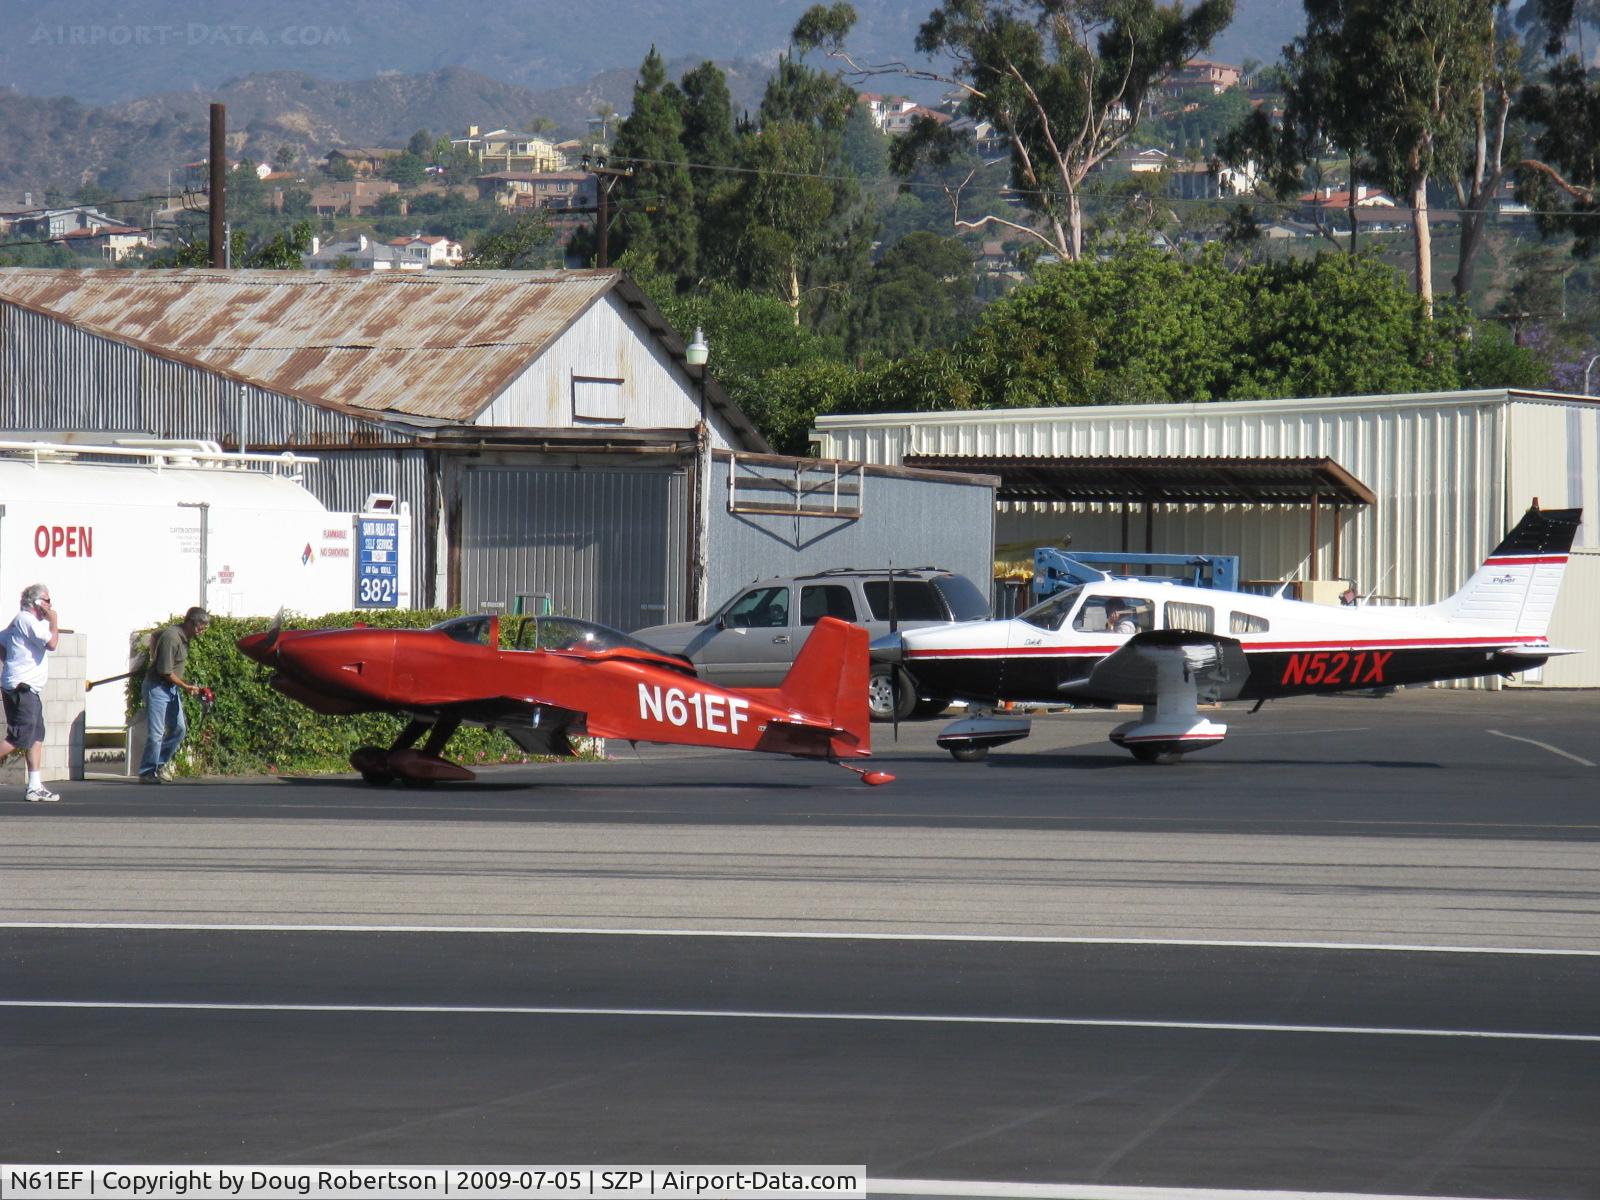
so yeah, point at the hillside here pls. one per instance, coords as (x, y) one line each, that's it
(128, 148)
(101, 54)
(308, 100)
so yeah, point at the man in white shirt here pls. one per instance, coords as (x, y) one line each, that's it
(32, 634)
(1121, 618)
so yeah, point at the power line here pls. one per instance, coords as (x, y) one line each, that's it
(24, 213)
(1083, 197)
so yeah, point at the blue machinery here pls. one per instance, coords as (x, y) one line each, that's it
(1055, 570)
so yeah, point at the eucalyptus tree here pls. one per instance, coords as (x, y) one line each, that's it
(1064, 82)
(1561, 178)
(1410, 91)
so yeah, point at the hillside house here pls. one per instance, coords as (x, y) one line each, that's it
(543, 189)
(363, 160)
(1319, 205)
(1136, 161)
(50, 223)
(1200, 76)
(1198, 181)
(362, 254)
(112, 242)
(429, 251)
(358, 197)
(509, 150)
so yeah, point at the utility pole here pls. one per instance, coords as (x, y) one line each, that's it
(605, 179)
(219, 176)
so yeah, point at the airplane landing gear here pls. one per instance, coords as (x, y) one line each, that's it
(1172, 726)
(1162, 736)
(415, 768)
(971, 738)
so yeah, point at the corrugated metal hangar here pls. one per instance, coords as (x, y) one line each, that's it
(1402, 494)
(541, 425)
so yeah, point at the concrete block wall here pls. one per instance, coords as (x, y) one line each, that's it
(63, 716)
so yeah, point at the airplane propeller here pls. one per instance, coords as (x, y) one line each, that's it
(273, 632)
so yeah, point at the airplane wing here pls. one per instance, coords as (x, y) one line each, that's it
(1161, 659)
(537, 726)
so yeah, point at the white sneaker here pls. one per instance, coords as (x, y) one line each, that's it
(40, 795)
(166, 773)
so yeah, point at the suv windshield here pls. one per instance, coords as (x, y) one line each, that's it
(759, 608)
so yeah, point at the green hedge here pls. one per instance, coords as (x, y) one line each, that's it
(253, 729)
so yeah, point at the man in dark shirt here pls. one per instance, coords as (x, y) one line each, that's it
(165, 724)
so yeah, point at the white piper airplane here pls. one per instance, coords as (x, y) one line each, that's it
(1169, 647)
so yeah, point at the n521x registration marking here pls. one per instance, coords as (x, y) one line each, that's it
(674, 706)
(1333, 667)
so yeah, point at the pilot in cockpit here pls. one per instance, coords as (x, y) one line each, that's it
(1112, 614)
(1120, 617)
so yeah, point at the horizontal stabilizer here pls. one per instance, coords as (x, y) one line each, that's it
(1537, 651)
(789, 737)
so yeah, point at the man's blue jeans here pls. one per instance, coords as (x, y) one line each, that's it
(164, 727)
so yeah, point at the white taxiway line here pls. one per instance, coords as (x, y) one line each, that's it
(734, 1014)
(816, 935)
(1101, 1191)
(1584, 762)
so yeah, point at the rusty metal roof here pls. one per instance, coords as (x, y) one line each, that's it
(438, 345)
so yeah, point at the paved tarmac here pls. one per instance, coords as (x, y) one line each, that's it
(1354, 949)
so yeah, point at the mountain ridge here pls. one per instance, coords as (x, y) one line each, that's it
(126, 148)
(141, 47)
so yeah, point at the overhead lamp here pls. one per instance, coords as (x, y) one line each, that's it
(698, 350)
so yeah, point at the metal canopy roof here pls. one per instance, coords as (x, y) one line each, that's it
(1161, 480)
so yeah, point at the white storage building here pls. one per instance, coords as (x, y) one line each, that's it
(127, 536)
(1403, 494)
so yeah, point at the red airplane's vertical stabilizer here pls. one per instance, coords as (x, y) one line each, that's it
(828, 682)
(1516, 586)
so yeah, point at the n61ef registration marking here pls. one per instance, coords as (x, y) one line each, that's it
(708, 711)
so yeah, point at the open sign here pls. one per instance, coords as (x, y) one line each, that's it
(64, 541)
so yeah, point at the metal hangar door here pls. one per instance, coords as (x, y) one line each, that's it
(607, 543)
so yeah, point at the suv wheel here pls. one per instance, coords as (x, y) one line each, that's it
(890, 693)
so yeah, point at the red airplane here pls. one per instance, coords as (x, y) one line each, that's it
(565, 679)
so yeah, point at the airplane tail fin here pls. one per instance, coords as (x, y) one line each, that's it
(1516, 586)
(828, 682)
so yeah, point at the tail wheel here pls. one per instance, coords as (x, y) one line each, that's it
(891, 696)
